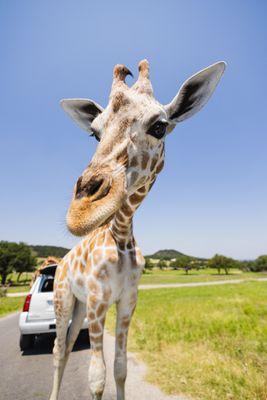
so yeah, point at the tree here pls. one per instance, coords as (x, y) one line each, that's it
(15, 257)
(245, 265)
(161, 264)
(7, 255)
(46, 251)
(174, 264)
(260, 264)
(148, 265)
(182, 262)
(221, 262)
(25, 260)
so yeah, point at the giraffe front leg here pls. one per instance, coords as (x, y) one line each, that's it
(125, 309)
(64, 302)
(97, 370)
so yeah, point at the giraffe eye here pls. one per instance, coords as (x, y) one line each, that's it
(158, 129)
(95, 133)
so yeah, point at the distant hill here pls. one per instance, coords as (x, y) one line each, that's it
(168, 254)
(45, 251)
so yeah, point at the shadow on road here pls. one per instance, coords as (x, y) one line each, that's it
(44, 344)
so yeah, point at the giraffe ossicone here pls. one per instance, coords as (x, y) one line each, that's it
(105, 267)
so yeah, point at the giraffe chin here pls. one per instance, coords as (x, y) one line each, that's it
(85, 215)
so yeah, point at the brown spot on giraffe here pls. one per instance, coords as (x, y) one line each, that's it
(125, 322)
(85, 254)
(142, 190)
(112, 256)
(93, 301)
(59, 286)
(97, 256)
(160, 167)
(145, 159)
(133, 258)
(120, 338)
(81, 267)
(106, 294)
(119, 101)
(101, 308)
(102, 320)
(126, 210)
(130, 244)
(91, 316)
(75, 266)
(101, 274)
(93, 286)
(80, 282)
(121, 259)
(88, 265)
(95, 327)
(136, 198)
(64, 270)
(134, 161)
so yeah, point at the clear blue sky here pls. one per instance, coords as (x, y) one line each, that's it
(212, 195)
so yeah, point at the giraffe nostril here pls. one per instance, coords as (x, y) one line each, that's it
(79, 189)
(94, 186)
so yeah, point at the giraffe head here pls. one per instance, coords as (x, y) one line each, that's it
(131, 132)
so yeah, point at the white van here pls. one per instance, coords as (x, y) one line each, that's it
(38, 316)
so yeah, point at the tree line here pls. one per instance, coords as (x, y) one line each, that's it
(218, 262)
(19, 258)
(15, 257)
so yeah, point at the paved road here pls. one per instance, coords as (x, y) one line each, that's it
(196, 284)
(175, 285)
(29, 376)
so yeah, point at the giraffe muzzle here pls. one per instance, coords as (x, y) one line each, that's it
(95, 201)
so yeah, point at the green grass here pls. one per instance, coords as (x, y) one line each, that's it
(25, 277)
(17, 289)
(207, 342)
(22, 286)
(171, 276)
(10, 304)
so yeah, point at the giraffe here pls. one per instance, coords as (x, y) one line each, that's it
(105, 267)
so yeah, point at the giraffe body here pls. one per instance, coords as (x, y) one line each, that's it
(105, 267)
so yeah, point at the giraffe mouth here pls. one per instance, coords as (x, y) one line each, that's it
(86, 214)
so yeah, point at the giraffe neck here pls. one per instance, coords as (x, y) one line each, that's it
(122, 223)
(122, 230)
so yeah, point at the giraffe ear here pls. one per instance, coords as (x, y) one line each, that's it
(194, 93)
(82, 111)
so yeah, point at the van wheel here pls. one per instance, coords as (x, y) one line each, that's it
(26, 342)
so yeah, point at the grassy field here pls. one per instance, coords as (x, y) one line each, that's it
(8, 305)
(23, 285)
(207, 342)
(16, 289)
(24, 277)
(171, 276)
(155, 276)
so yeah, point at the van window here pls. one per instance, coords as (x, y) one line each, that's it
(47, 285)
